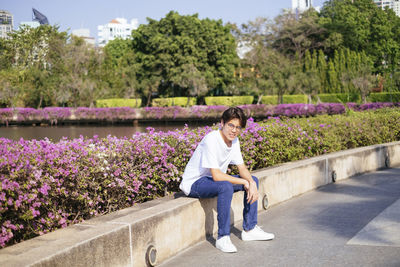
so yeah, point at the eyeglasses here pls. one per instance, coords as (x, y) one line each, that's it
(231, 127)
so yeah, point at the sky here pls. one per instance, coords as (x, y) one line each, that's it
(75, 14)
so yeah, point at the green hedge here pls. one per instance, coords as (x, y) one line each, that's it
(338, 98)
(228, 100)
(173, 101)
(294, 99)
(118, 102)
(384, 97)
(269, 99)
(287, 99)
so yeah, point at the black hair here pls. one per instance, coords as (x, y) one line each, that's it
(234, 113)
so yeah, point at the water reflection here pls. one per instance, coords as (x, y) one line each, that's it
(55, 133)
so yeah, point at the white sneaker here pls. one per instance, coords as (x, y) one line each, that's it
(225, 244)
(256, 234)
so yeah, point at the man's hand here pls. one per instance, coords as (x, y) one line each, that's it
(246, 185)
(252, 192)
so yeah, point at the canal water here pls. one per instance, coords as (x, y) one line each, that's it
(55, 133)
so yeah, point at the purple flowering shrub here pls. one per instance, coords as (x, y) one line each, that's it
(109, 114)
(373, 106)
(6, 114)
(25, 114)
(258, 111)
(278, 140)
(53, 115)
(173, 112)
(207, 112)
(46, 185)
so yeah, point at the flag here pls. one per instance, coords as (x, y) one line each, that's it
(42, 19)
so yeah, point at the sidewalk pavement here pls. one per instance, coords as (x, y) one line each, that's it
(354, 222)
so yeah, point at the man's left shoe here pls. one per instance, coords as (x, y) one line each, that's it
(256, 234)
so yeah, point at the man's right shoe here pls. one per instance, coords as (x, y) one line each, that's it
(225, 244)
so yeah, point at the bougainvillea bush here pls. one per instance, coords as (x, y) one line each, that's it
(46, 185)
(54, 115)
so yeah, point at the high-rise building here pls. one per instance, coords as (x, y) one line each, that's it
(301, 5)
(117, 28)
(396, 7)
(393, 4)
(6, 23)
(383, 3)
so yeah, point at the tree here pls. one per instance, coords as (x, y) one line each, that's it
(322, 70)
(277, 73)
(8, 91)
(361, 26)
(33, 46)
(333, 82)
(192, 79)
(31, 54)
(164, 47)
(266, 69)
(120, 68)
(254, 39)
(80, 84)
(293, 35)
(363, 80)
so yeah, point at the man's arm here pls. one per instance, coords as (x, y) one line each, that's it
(218, 175)
(252, 191)
(246, 180)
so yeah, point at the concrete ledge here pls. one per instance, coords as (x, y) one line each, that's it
(171, 225)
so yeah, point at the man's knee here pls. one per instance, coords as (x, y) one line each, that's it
(225, 187)
(255, 180)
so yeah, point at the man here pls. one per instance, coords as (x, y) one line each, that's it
(205, 177)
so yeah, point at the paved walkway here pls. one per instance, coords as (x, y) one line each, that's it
(355, 222)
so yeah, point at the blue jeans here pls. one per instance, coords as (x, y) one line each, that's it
(206, 187)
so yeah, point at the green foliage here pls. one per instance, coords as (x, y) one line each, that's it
(174, 101)
(293, 99)
(362, 26)
(49, 68)
(118, 102)
(30, 61)
(228, 100)
(269, 99)
(341, 50)
(294, 35)
(33, 46)
(384, 97)
(287, 99)
(80, 80)
(277, 141)
(337, 98)
(185, 53)
(119, 69)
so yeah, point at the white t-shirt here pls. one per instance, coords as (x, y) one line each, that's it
(212, 152)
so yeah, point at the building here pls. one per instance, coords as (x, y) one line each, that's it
(299, 6)
(396, 7)
(85, 35)
(384, 3)
(393, 4)
(117, 28)
(6, 23)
